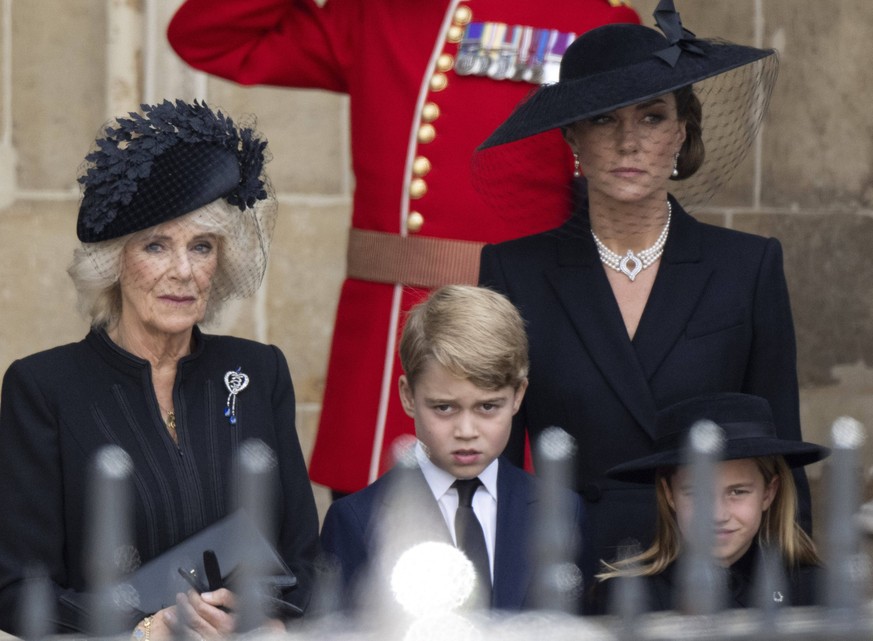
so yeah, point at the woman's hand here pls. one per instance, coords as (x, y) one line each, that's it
(208, 615)
(160, 626)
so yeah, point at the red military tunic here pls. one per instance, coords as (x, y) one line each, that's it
(415, 122)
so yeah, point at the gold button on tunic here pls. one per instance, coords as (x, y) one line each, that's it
(438, 82)
(420, 166)
(426, 133)
(417, 188)
(463, 15)
(430, 112)
(414, 222)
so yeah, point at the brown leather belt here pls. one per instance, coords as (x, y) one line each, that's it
(419, 261)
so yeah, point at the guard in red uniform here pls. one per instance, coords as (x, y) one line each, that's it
(429, 80)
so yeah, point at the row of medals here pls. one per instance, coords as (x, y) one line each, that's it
(511, 52)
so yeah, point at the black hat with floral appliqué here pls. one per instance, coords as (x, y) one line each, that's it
(173, 159)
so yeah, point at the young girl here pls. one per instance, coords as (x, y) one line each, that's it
(754, 503)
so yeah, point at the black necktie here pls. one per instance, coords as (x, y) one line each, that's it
(468, 531)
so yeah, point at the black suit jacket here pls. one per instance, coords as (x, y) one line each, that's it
(718, 319)
(355, 525)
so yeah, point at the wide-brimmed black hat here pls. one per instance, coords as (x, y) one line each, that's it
(617, 65)
(748, 429)
(170, 160)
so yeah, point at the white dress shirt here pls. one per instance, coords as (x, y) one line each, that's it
(484, 501)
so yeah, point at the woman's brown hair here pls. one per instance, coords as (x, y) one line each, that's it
(692, 154)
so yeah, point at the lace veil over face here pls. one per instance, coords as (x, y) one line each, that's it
(167, 162)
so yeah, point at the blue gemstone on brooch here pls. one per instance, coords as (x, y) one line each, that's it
(235, 381)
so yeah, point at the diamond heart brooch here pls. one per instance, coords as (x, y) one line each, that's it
(235, 382)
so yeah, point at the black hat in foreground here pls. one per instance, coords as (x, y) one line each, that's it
(617, 65)
(164, 163)
(748, 429)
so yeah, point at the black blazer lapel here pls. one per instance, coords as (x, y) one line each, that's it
(681, 280)
(585, 294)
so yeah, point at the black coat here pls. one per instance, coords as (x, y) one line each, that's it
(60, 406)
(662, 591)
(718, 319)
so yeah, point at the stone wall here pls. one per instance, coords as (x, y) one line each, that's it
(65, 67)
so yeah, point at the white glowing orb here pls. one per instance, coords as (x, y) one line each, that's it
(706, 437)
(847, 433)
(431, 578)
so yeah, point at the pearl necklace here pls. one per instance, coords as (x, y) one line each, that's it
(640, 261)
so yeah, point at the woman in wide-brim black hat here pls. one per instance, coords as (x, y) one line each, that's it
(754, 503)
(175, 219)
(633, 304)
(619, 65)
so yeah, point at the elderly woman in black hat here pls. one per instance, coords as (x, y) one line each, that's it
(175, 219)
(633, 304)
(754, 502)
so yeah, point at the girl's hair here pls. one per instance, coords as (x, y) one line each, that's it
(96, 267)
(779, 528)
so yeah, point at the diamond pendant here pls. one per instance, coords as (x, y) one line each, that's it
(631, 272)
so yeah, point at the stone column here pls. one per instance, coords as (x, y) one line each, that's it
(124, 49)
(8, 161)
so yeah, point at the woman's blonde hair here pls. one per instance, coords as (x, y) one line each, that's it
(242, 255)
(474, 332)
(778, 530)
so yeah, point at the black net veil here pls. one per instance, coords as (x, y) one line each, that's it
(733, 105)
(202, 175)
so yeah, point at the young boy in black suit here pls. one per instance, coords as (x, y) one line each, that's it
(465, 363)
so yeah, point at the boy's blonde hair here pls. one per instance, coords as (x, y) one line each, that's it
(779, 529)
(474, 332)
